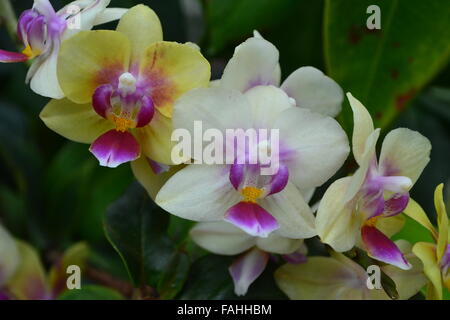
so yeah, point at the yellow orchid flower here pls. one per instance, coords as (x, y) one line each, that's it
(340, 278)
(120, 87)
(435, 256)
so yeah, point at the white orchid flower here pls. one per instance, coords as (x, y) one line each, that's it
(42, 29)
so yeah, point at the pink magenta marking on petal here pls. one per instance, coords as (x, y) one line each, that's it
(8, 56)
(114, 148)
(101, 100)
(157, 167)
(295, 257)
(396, 204)
(236, 174)
(247, 268)
(382, 248)
(445, 261)
(373, 203)
(146, 112)
(279, 180)
(36, 33)
(24, 20)
(252, 218)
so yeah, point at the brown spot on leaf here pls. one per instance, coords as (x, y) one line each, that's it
(394, 74)
(356, 33)
(402, 99)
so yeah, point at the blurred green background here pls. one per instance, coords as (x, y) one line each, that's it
(53, 193)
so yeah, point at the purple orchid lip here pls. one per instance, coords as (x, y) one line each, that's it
(382, 248)
(252, 218)
(115, 147)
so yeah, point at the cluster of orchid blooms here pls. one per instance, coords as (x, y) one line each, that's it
(125, 91)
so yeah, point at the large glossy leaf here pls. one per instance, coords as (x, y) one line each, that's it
(385, 68)
(137, 229)
(232, 20)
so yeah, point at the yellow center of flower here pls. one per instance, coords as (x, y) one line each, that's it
(250, 194)
(122, 124)
(371, 222)
(30, 53)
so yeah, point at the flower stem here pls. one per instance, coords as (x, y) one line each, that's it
(9, 17)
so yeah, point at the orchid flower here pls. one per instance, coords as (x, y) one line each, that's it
(353, 207)
(42, 29)
(120, 87)
(30, 281)
(225, 239)
(340, 278)
(311, 148)
(9, 258)
(255, 62)
(435, 256)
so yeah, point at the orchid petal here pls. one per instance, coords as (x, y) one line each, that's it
(380, 247)
(77, 122)
(237, 172)
(336, 222)
(309, 139)
(442, 220)
(254, 62)
(389, 226)
(146, 112)
(9, 254)
(293, 214)
(199, 193)
(404, 153)
(279, 180)
(362, 127)
(365, 162)
(101, 100)
(313, 90)
(415, 211)
(137, 19)
(29, 281)
(148, 178)
(274, 243)
(172, 69)
(251, 218)
(114, 148)
(221, 238)
(109, 15)
(322, 278)
(408, 282)
(267, 102)
(155, 138)
(44, 80)
(90, 59)
(426, 252)
(44, 7)
(395, 204)
(214, 108)
(247, 268)
(7, 56)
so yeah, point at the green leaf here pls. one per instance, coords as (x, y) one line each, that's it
(232, 20)
(385, 68)
(91, 292)
(210, 279)
(137, 229)
(413, 232)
